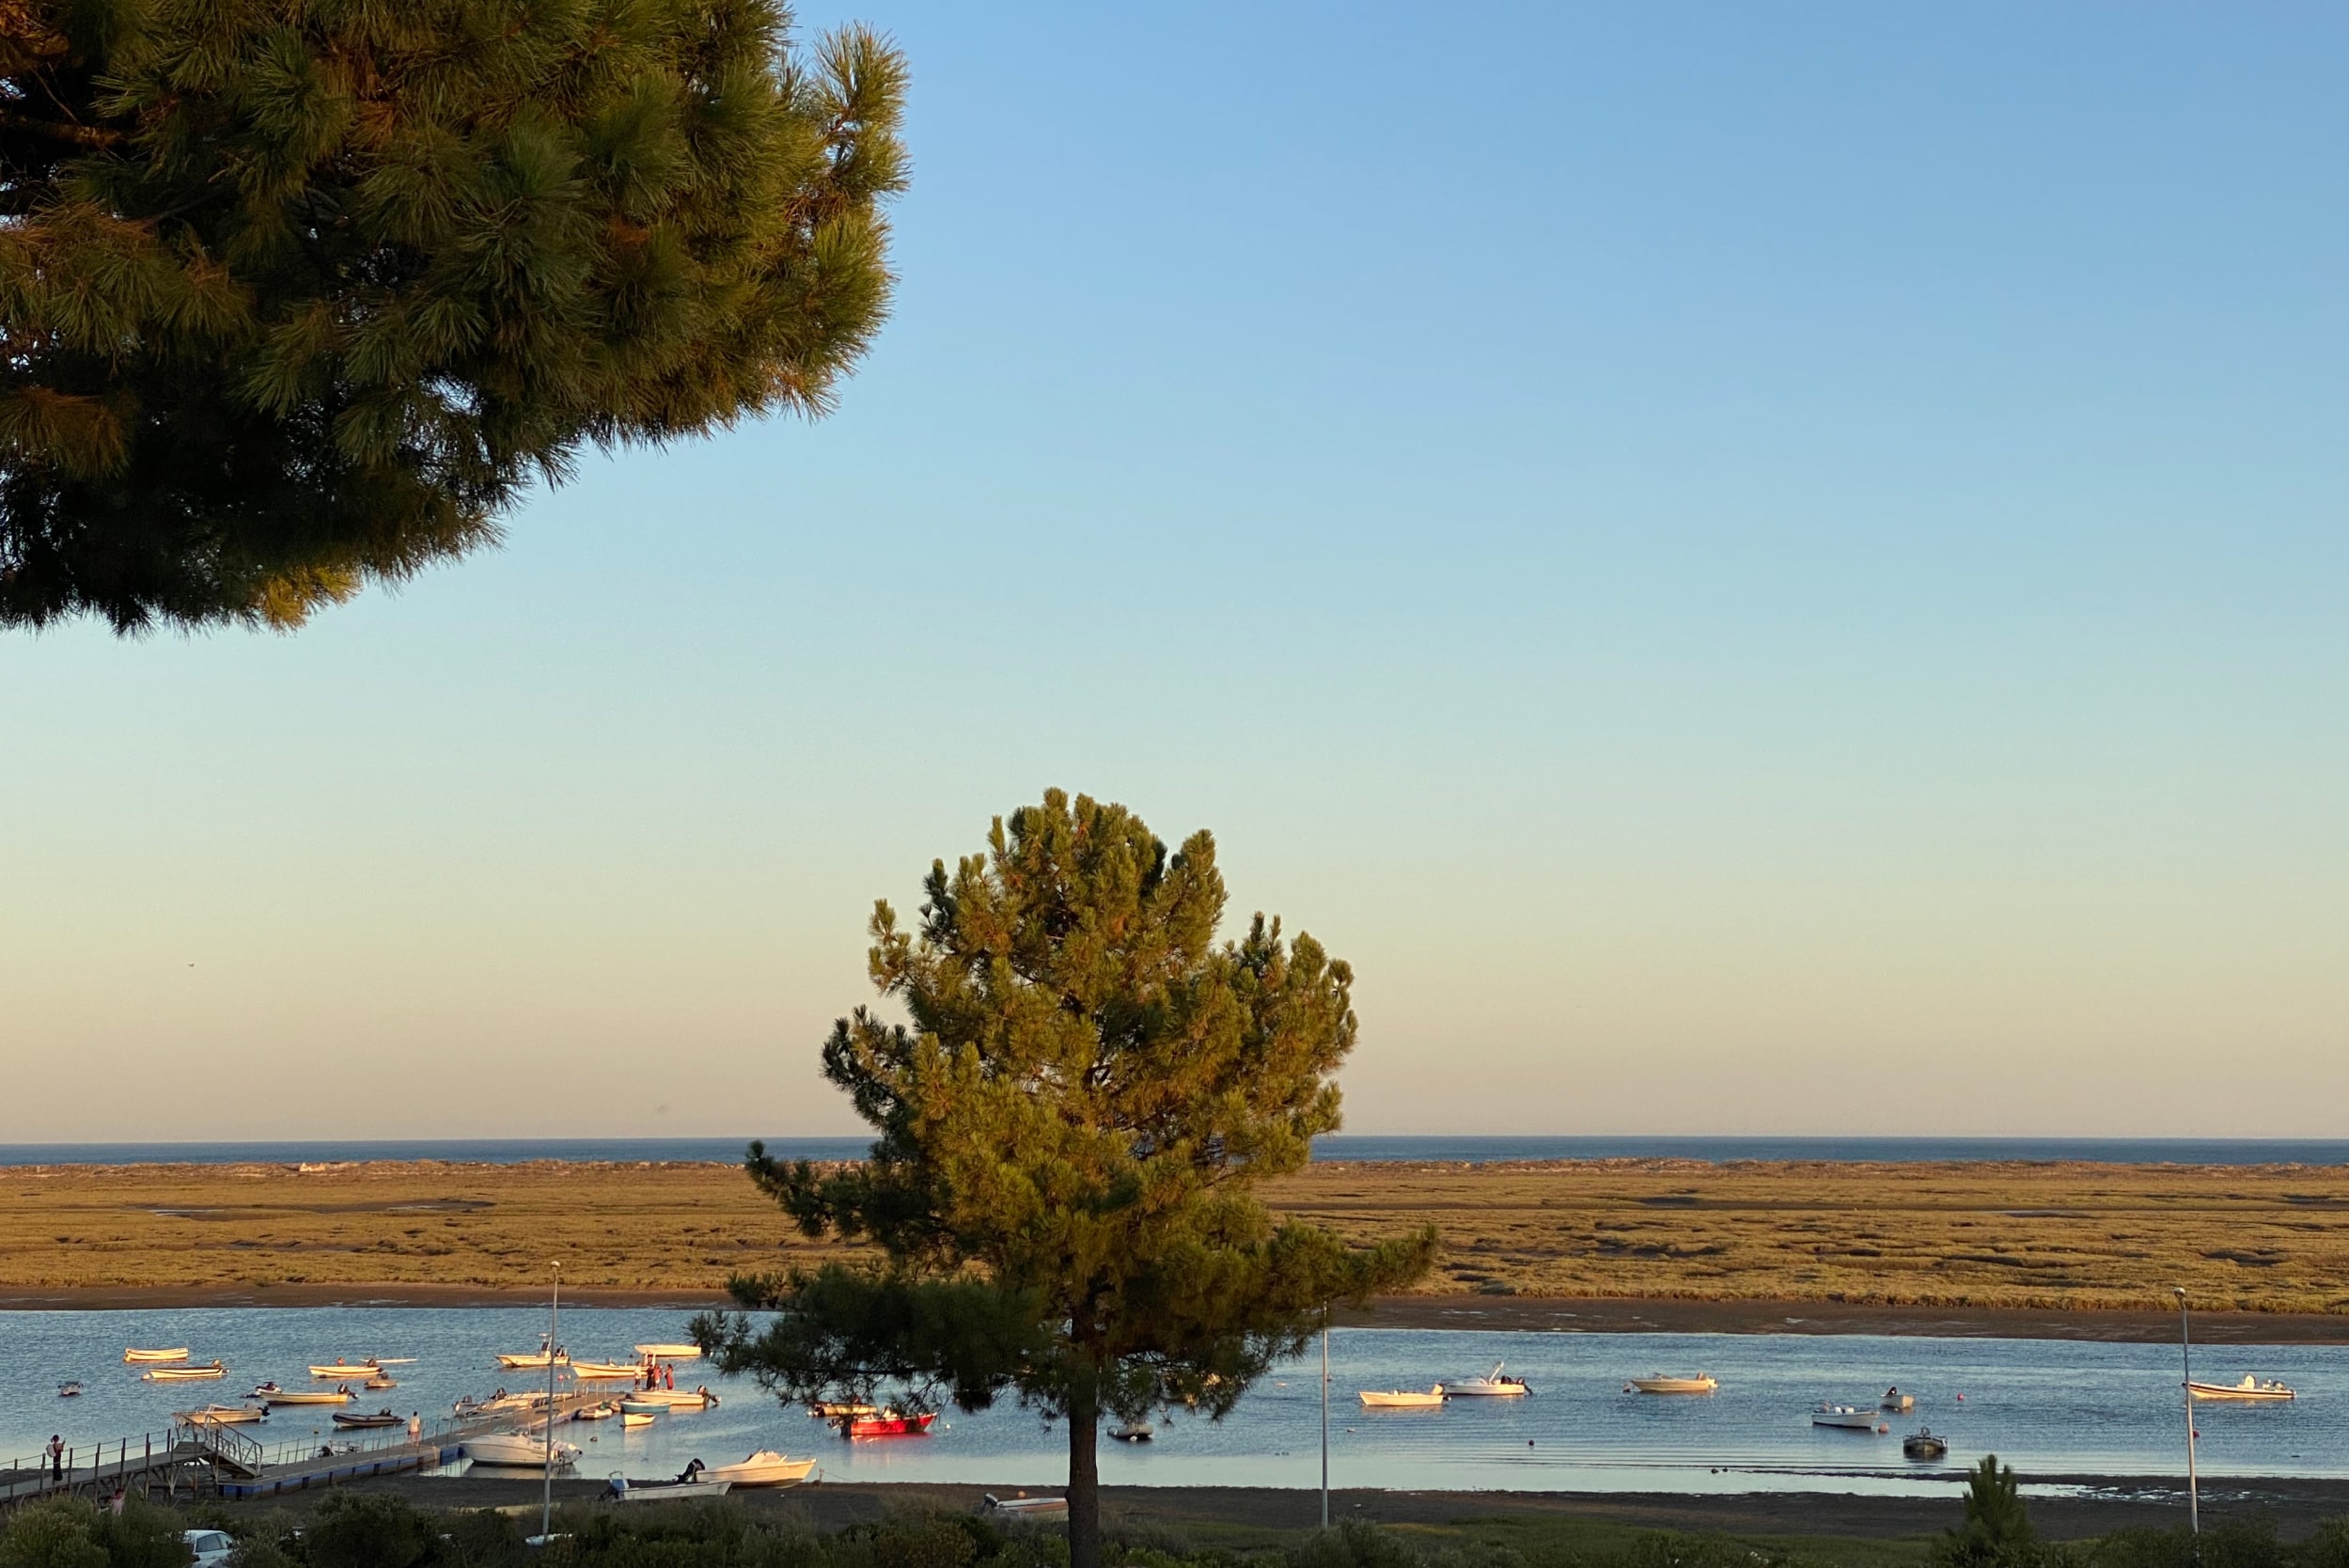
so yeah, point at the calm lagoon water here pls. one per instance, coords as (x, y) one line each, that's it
(2049, 1407)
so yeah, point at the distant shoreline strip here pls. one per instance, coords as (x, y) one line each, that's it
(1432, 1147)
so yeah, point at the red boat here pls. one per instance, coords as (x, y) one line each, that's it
(887, 1424)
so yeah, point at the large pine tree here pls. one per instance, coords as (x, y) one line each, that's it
(298, 293)
(1072, 1122)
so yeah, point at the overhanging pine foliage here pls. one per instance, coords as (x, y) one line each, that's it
(299, 293)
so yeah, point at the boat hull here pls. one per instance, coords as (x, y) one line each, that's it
(1675, 1385)
(517, 1451)
(672, 1490)
(137, 1357)
(887, 1425)
(763, 1469)
(184, 1375)
(1844, 1419)
(2256, 1394)
(1398, 1399)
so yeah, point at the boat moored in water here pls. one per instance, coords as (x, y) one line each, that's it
(1494, 1384)
(69, 1390)
(1703, 1383)
(348, 1369)
(1922, 1444)
(1401, 1398)
(183, 1374)
(632, 1419)
(1897, 1402)
(888, 1423)
(339, 1394)
(2249, 1389)
(380, 1418)
(1133, 1432)
(226, 1414)
(1847, 1418)
(136, 1357)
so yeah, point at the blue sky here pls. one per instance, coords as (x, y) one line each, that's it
(1755, 569)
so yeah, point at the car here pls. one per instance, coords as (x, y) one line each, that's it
(209, 1549)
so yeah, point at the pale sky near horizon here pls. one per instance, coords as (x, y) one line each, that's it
(1756, 568)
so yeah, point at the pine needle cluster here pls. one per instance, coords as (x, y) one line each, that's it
(295, 294)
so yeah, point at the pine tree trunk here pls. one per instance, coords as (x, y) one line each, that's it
(1084, 1484)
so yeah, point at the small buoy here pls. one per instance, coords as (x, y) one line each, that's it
(1528, 1442)
(1960, 1399)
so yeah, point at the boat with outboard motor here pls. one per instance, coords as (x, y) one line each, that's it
(764, 1469)
(1922, 1444)
(1494, 1384)
(380, 1417)
(2249, 1389)
(1703, 1383)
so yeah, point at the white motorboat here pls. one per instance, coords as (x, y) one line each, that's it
(183, 1374)
(69, 1389)
(764, 1469)
(2249, 1389)
(339, 1394)
(1897, 1402)
(226, 1414)
(518, 1448)
(1848, 1417)
(1401, 1398)
(538, 1361)
(669, 1353)
(1026, 1508)
(138, 1356)
(1703, 1383)
(348, 1369)
(1496, 1384)
(1133, 1432)
(602, 1412)
(671, 1398)
(587, 1371)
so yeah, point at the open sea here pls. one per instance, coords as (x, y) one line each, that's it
(1347, 1146)
(2052, 1408)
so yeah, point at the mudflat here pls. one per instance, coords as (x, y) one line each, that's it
(1599, 1243)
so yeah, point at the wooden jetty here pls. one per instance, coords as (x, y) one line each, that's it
(200, 1458)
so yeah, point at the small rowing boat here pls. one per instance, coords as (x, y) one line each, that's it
(380, 1382)
(135, 1356)
(183, 1374)
(1703, 1383)
(348, 1369)
(670, 1353)
(631, 1419)
(602, 1412)
(2249, 1389)
(832, 1410)
(673, 1399)
(589, 1371)
(69, 1390)
(1844, 1417)
(764, 1469)
(888, 1423)
(1401, 1398)
(1133, 1432)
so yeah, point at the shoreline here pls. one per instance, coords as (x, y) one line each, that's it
(1244, 1514)
(1451, 1313)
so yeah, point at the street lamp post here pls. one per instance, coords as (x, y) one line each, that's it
(1326, 1418)
(2186, 1360)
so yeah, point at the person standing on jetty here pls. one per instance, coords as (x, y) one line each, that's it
(57, 1457)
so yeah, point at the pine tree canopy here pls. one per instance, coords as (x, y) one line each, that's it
(301, 293)
(1072, 1120)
